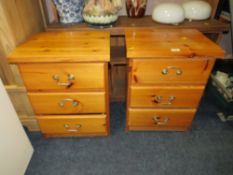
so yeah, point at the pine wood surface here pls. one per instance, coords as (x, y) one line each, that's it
(20, 100)
(166, 62)
(63, 47)
(87, 124)
(39, 77)
(30, 122)
(161, 128)
(107, 100)
(17, 75)
(118, 82)
(149, 71)
(48, 103)
(154, 43)
(185, 96)
(80, 85)
(174, 117)
(76, 134)
(18, 20)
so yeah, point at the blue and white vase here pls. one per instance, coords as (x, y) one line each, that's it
(70, 11)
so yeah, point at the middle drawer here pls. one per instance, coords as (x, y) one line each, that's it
(68, 103)
(165, 96)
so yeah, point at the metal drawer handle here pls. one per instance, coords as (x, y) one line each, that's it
(70, 78)
(67, 127)
(178, 70)
(78, 126)
(74, 103)
(157, 120)
(159, 99)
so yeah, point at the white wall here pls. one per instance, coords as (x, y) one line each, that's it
(15, 148)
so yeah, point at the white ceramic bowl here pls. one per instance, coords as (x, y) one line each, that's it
(197, 10)
(100, 20)
(168, 13)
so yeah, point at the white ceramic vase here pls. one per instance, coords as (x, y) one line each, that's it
(197, 10)
(168, 13)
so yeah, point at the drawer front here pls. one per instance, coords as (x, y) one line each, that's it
(63, 76)
(170, 71)
(156, 119)
(68, 103)
(165, 96)
(85, 124)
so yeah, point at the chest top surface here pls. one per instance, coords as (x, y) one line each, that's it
(152, 43)
(63, 47)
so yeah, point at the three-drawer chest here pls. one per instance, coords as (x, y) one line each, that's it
(66, 77)
(167, 74)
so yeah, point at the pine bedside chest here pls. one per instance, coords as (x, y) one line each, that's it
(66, 76)
(167, 73)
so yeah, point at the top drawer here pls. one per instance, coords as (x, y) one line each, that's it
(63, 77)
(170, 71)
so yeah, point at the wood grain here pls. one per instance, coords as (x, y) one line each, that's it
(118, 69)
(18, 20)
(24, 18)
(20, 100)
(64, 47)
(12, 16)
(155, 43)
(167, 72)
(49, 103)
(168, 118)
(39, 77)
(148, 96)
(88, 124)
(15, 17)
(49, 12)
(160, 129)
(118, 82)
(7, 43)
(17, 76)
(30, 123)
(149, 71)
(71, 83)
(107, 101)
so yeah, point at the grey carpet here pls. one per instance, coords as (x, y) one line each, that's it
(206, 150)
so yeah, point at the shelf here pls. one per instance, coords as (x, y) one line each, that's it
(206, 26)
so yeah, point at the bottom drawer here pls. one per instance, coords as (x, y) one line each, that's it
(73, 125)
(160, 119)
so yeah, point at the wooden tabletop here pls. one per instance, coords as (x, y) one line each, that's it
(151, 43)
(64, 47)
(124, 22)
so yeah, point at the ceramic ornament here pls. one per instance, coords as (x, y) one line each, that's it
(197, 10)
(168, 13)
(70, 11)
